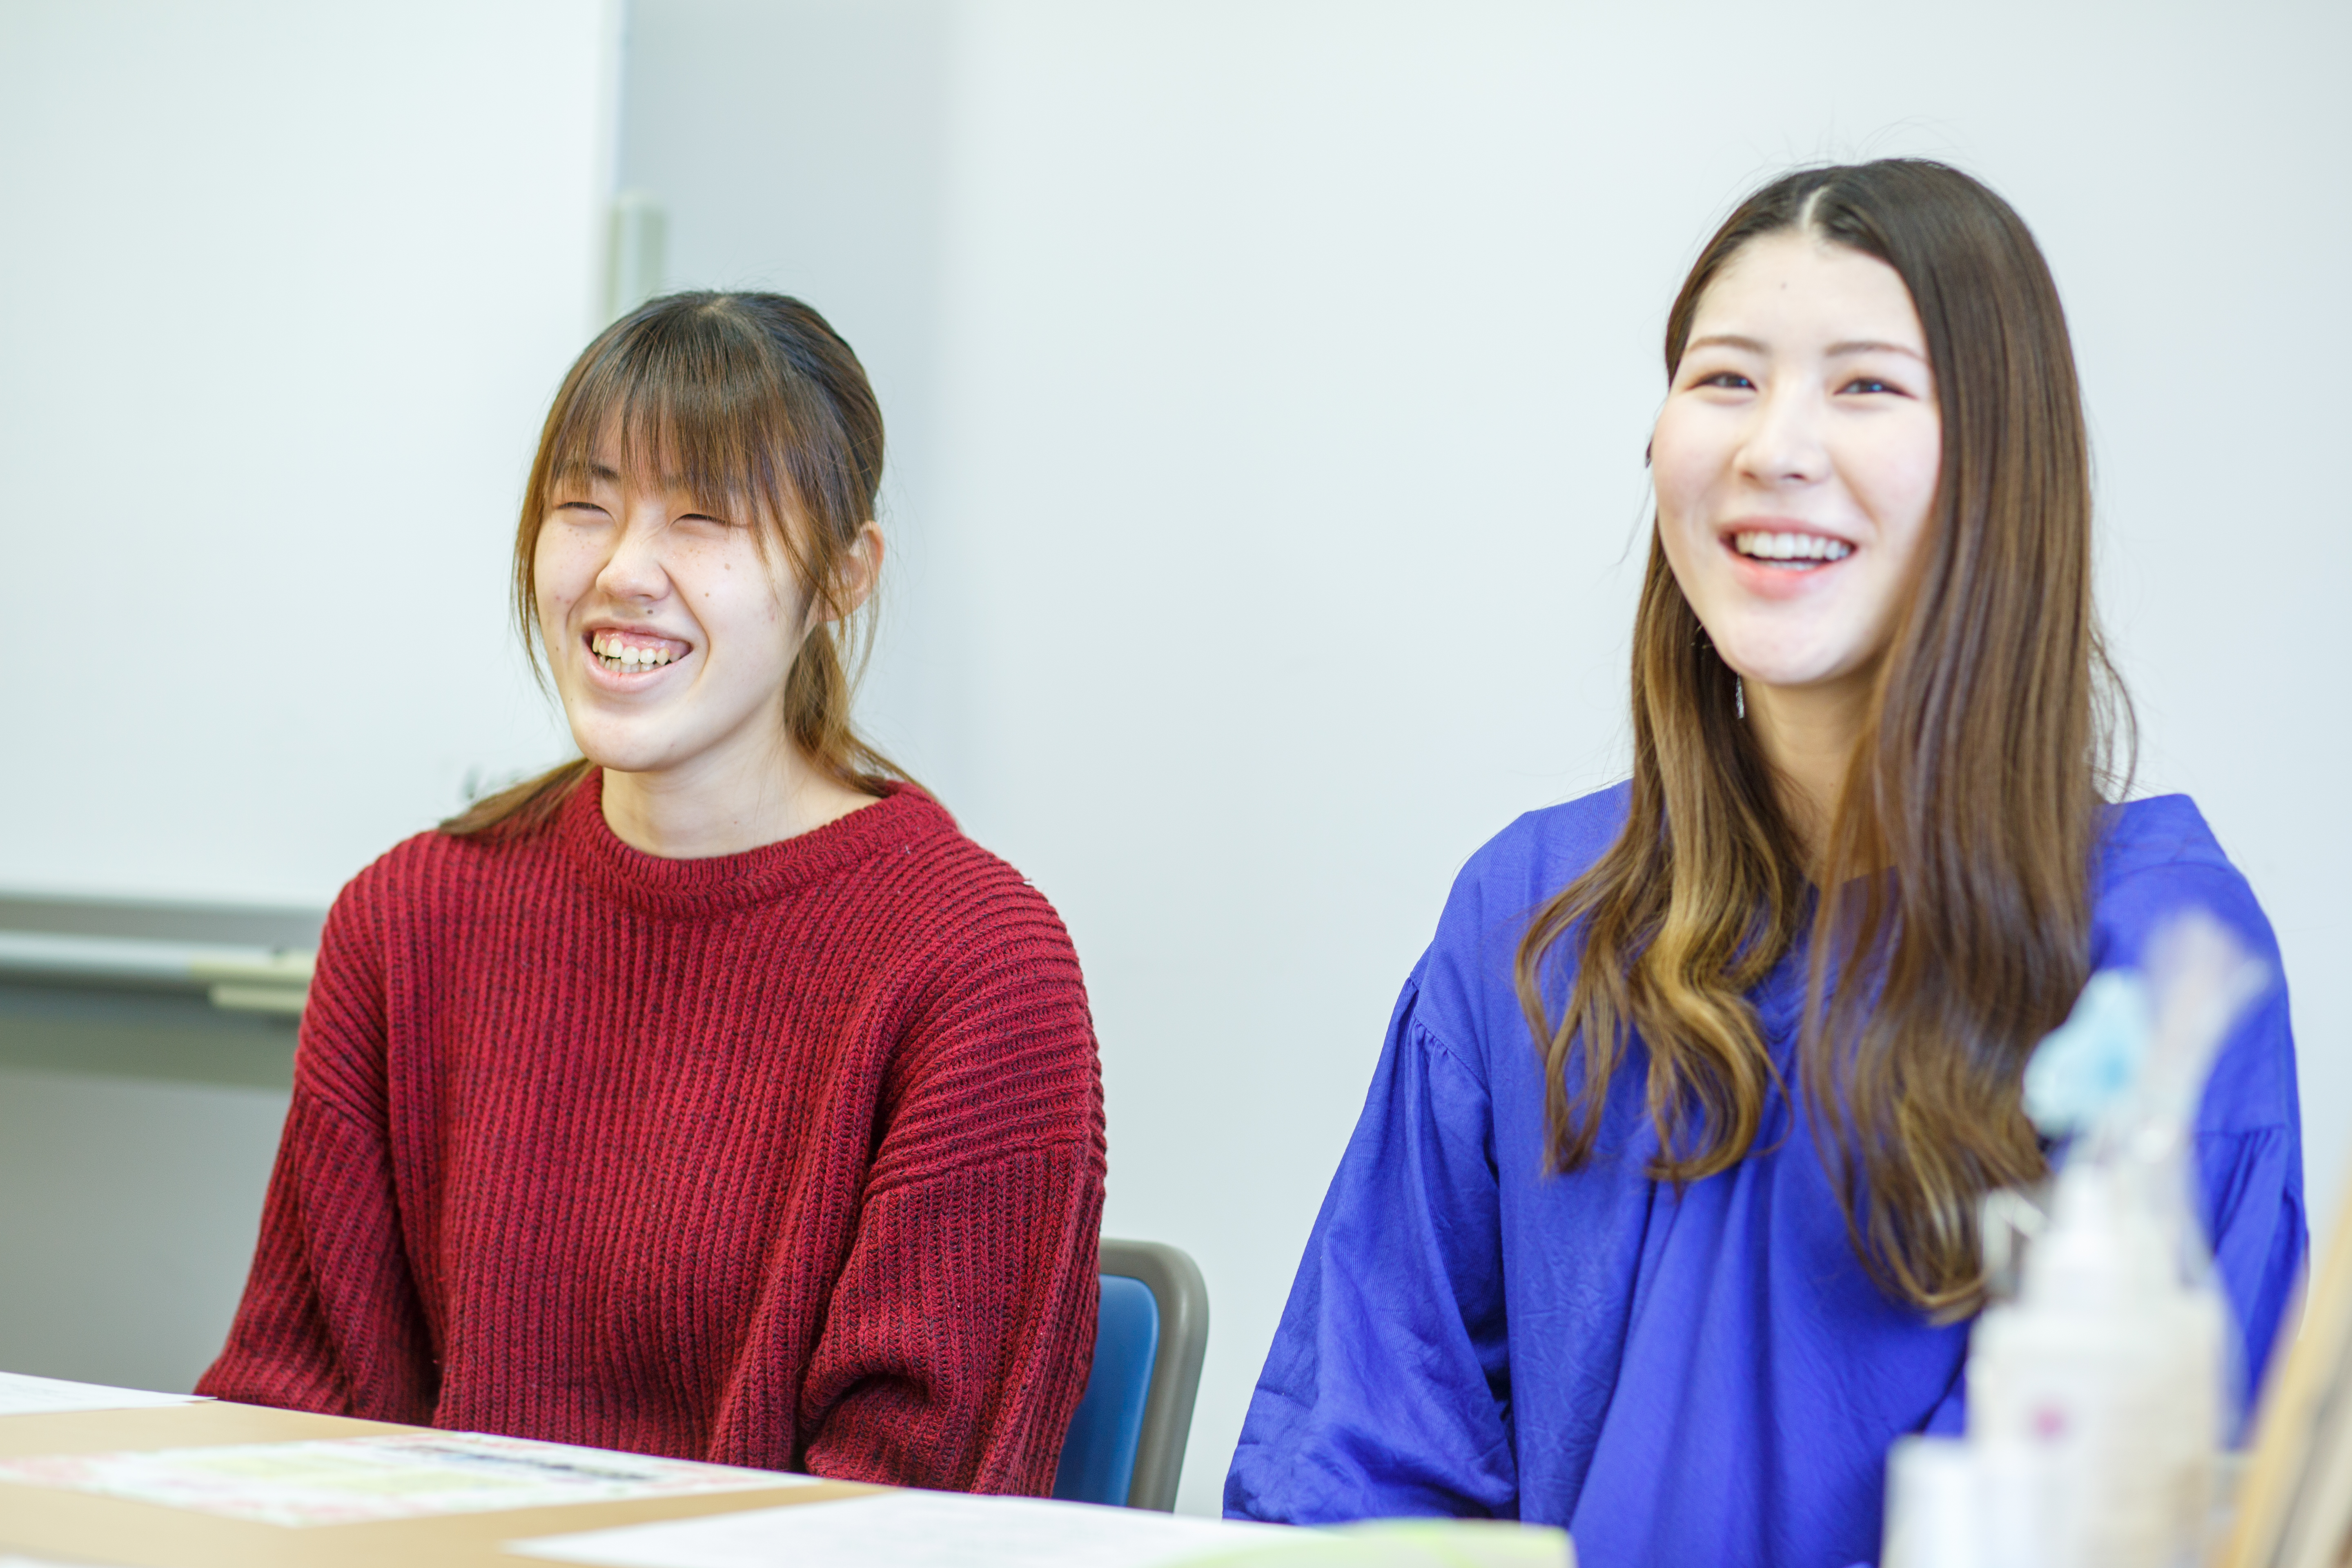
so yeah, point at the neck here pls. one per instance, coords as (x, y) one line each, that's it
(1807, 734)
(724, 804)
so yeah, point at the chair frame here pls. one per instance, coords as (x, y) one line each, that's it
(1182, 1296)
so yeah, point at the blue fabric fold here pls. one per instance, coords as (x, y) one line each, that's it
(1708, 1377)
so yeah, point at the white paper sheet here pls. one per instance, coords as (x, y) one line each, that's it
(346, 1480)
(910, 1530)
(23, 1395)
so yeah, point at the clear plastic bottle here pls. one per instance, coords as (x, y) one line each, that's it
(2097, 1396)
(2103, 1385)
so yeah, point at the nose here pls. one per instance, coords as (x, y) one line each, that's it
(634, 570)
(1784, 445)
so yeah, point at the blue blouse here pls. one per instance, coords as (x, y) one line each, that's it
(1708, 1378)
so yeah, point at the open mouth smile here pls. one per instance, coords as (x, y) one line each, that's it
(634, 653)
(1788, 552)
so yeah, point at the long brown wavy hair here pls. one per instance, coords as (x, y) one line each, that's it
(753, 404)
(1951, 902)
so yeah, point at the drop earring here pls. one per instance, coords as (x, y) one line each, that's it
(1738, 696)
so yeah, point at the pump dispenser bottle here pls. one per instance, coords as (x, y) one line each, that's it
(2097, 1395)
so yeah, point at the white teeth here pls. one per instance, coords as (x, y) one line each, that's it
(1791, 546)
(616, 654)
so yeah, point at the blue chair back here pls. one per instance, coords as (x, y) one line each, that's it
(1098, 1455)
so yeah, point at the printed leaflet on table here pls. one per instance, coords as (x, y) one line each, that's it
(347, 1480)
(23, 1394)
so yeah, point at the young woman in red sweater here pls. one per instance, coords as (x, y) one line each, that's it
(711, 1096)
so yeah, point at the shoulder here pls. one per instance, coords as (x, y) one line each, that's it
(2157, 860)
(366, 951)
(410, 870)
(1465, 989)
(960, 933)
(435, 872)
(995, 1046)
(388, 917)
(961, 893)
(1543, 851)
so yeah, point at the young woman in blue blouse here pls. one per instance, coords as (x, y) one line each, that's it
(1660, 1222)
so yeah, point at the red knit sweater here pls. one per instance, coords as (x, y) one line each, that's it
(791, 1159)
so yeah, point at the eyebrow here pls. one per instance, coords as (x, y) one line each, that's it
(1874, 345)
(1851, 346)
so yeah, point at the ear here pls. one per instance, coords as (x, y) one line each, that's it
(859, 568)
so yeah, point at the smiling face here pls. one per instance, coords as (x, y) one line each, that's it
(668, 632)
(1796, 460)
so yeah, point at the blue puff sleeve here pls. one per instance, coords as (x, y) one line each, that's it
(1389, 1385)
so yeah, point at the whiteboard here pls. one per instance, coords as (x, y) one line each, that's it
(285, 292)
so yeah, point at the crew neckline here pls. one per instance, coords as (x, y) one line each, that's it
(658, 884)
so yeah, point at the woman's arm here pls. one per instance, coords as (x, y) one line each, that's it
(2249, 1128)
(2249, 1132)
(961, 1331)
(2249, 1184)
(1388, 1386)
(330, 1320)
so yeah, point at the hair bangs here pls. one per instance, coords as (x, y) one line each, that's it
(690, 405)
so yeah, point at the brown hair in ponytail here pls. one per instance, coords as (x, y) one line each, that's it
(752, 401)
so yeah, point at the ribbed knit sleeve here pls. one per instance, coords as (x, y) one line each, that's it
(330, 1320)
(961, 1332)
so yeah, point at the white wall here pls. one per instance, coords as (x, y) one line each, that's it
(1274, 379)
(285, 292)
